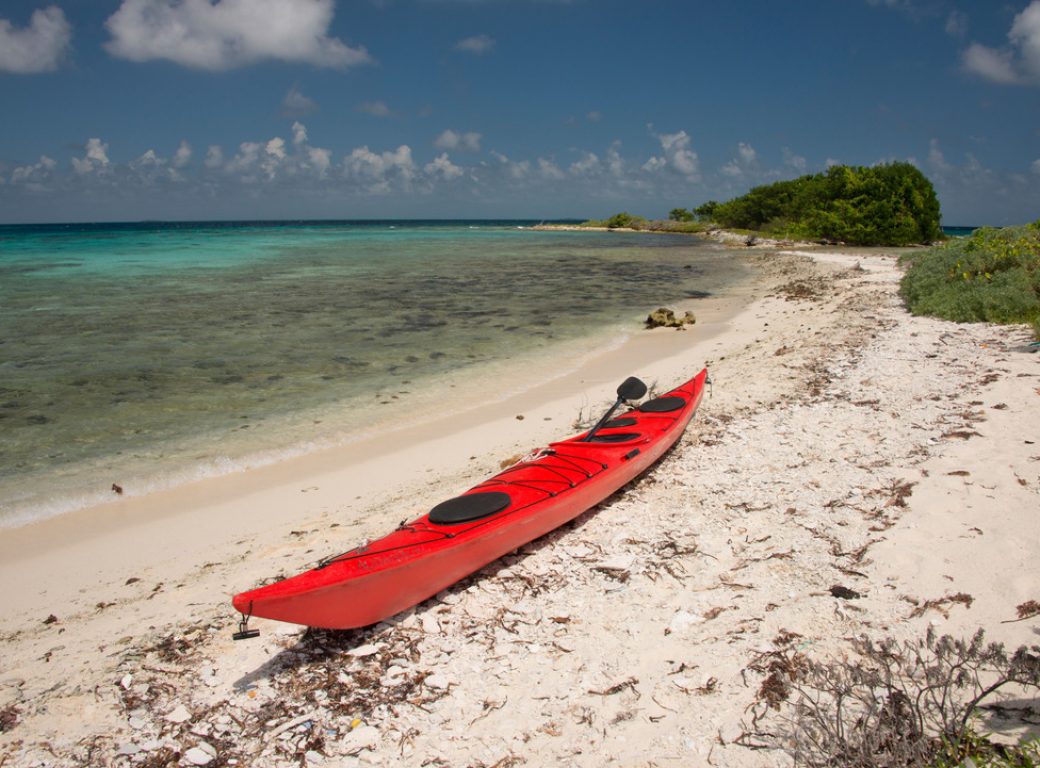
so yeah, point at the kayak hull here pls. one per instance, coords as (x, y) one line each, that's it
(423, 557)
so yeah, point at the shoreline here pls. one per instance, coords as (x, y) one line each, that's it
(828, 397)
(210, 508)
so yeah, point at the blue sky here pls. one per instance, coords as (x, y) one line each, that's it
(214, 109)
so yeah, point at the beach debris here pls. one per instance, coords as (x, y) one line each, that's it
(939, 604)
(629, 684)
(663, 317)
(844, 593)
(117, 489)
(1026, 610)
(8, 718)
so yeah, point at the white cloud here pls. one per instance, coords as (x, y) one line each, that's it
(615, 163)
(299, 133)
(375, 108)
(148, 159)
(296, 104)
(1025, 37)
(443, 167)
(745, 162)
(957, 24)
(478, 44)
(450, 139)
(936, 160)
(990, 63)
(1018, 62)
(514, 169)
(549, 170)
(588, 164)
(380, 170)
(677, 155)
(229, 33)
(797, 162)
(319, 159)
(95, 158)
(183, 155)
(39, 47)
(214, 157)
(32, 175)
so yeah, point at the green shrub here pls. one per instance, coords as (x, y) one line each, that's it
(991, 276)
(625, 220)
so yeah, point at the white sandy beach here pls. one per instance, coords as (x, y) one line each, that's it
(845, 443)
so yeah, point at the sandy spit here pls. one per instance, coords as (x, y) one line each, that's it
(845, 444)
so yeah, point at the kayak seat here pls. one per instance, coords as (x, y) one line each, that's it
(472, 506)
(662, 405)
(622, 422)
(616, 437)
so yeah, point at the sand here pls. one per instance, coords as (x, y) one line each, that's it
(844, 444)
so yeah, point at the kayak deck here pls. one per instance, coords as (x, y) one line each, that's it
(461, 535)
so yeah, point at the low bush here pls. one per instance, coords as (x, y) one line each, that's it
(910, 705)
(991, 276)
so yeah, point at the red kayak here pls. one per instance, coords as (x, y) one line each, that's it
(459, 536)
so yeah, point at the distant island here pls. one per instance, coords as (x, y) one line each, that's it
(992, 275)
(890, 205)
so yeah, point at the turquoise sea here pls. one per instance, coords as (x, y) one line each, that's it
(152, 354)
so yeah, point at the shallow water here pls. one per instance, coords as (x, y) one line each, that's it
(152, 354)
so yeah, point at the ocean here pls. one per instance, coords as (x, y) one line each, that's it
(148, 355)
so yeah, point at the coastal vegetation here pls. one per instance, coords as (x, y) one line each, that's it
(991, 276)
(676, 223)
(891, 205)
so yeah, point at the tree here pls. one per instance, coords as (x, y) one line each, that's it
(680, 214)
(891, 204)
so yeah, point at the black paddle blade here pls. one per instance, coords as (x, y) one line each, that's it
(631, 389)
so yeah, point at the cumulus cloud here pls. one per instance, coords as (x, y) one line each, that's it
(319, 159)
(38, 47)
(937, 160)
(296, 104)
(379, 171)
(443, 167)
(34, 175)
(1016, 63)
(214, 157)
(547, 169)
(229, 33)
(477, 44)
(587, 165)
(183, 155)
(745, 162)
(795, 161)
(957, 24)
(452, 140)
(677, 155)
(515, 169)
(990, 63)
(375, 108)
(95, 158)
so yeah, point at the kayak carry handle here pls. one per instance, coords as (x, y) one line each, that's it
(244, 632)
